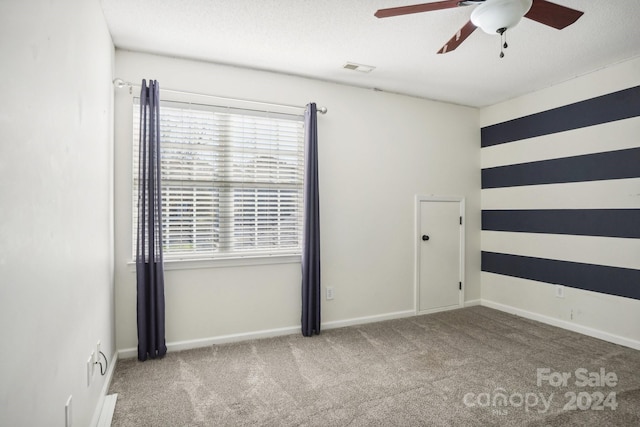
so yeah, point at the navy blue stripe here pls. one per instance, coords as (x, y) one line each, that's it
(624, 282)
(619, 105)
(582, 222)
(617, 164)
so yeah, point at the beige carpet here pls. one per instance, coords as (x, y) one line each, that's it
(469, 367)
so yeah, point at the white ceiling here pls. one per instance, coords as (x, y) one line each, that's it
(315, 38)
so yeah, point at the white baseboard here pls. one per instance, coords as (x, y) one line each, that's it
(472, 302)
(108, 409)
(222, 339)
(440, 309)
(368, 319)
(606, 336)
(127, 353)
(268, 333)
(105, 389)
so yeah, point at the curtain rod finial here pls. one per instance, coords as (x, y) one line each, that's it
(119, 83)
(322, 110)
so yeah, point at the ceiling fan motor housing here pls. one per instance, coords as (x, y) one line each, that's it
(495, 16)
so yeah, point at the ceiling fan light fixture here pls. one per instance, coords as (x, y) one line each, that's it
(495, 16)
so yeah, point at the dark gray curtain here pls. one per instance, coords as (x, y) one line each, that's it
(149, 268)
(311, 233)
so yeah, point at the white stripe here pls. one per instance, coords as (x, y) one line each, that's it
(611, 251)
(618, 135)
(609, 194)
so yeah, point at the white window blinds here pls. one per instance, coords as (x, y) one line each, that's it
(231, 181)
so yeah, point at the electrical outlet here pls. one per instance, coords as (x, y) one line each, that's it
(559, 291)
(67, 412)
(329, 293)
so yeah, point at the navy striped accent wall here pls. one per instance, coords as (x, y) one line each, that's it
(617, 164)
(579, 222)
(593, 202)
(624, 282)
(607, 108)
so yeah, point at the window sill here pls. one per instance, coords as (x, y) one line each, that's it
(193, 264)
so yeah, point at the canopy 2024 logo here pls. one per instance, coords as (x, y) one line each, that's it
(594, 393)
(583, 400)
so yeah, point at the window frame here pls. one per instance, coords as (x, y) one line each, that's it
(198, 259)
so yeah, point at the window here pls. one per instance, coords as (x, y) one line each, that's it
(231, 181)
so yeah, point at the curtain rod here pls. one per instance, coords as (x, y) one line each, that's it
(119, 84)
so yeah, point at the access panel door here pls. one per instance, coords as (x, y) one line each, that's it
(440, 282)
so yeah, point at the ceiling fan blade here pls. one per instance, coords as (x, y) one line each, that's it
(552, 14)
(416, 8)
(458, 37)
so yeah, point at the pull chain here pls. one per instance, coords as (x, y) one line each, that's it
(503, 40)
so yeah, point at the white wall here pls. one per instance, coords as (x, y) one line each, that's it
(56, 208)
(610, 317)
(376, 152)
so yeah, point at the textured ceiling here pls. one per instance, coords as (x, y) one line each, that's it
(316, 38)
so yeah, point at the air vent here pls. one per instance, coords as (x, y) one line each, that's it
(358, 67)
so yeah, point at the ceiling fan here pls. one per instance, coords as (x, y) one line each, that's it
(493, 16)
